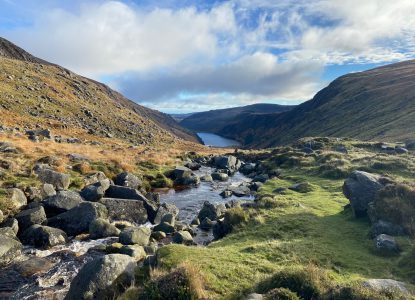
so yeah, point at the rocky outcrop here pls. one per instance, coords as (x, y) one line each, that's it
(94, 192)
(60, 181)
(78, 219)
(61, 202)
(361, 188)
(102, 278)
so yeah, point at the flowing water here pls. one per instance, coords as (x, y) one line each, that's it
(214, 140)
(47, 274)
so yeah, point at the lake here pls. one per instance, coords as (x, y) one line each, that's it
(214, 140)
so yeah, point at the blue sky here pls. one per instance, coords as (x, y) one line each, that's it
(181, 56)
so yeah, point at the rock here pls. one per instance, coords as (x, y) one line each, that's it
(151, 249)
(226, 194)
(386, 284)
(302, 187)
(229, 162)
(247, 168)
(34, 265)
(47, 190)
(401, 150)
(211, 211)
(220, 176)
(206, 178)
(16, 198)
(61, 202)
(6, 147)
(361, 188)
(240, 191)
(29, 217)
(279, 190)
(43, 236)
(255, 186)
(184, 176)
(195, 221)
(94, 178)
(183, 237)
(102, 277)
(168, 218)
(125, 210)
(135, 235)
(101, 228)
(206, 224)
(164, 227)
(33, 194)
(254, 296)
(8, 231)
(386, 244)
(135, 251)
(158, 235)
(10, 248)
(1, 216)
(78, 219)
(261, 178)
(11, 223)
(165, 209)
(121, 192)
(194, 166)
(387, 228)
(60, 181)
(94, 192)
(129, 180)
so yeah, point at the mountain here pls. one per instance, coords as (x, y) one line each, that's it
(215, 120)
(377, 104)
(36, 93)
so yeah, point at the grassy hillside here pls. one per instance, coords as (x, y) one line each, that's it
(36, 93)
(215, 120)
(378, 104)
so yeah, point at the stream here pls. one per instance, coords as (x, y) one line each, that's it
(47, 274)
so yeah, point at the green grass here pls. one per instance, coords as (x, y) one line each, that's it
(311, 228)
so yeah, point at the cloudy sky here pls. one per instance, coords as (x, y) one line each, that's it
(181, 56)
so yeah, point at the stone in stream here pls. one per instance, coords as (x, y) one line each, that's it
(255, 186)
(125, 210)
(184, 176)
(165, 209)
(103, 278)
(129, 180)
(211, 211)
(78, 219)
(183, 237)
(247, 169)
(10, 248)
(96, 191)
(121, 192)
(164, 227)
(135, 235)
(101, 228)
(60, 181)
(194, 166)
(16, 198)
(168, 218)
(11, 223)
(229, 162)
(220, 176)
(29, 217)
(206, 224)
(206, 178)
(158, 235)
(43, 236)
(226, 194)
(61, 202)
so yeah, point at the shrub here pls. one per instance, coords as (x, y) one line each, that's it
(235, 216)
(82, 168)
(396, 203)
(182, 283)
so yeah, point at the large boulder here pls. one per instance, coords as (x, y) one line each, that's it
(16, 198)
(94, 192)
(230, 163)
(386, 285)
(386, 244)
(183, 237)
(165, 209)
(211, 211)
(61, 202)
(121, 192)
(101, 228)
(43, 236)
(135, 235)
(184, 176)
(11, 223)
(94, 178)
(389, 228)
(60, 181)
(125, 210)
(135, 251)
(103, 278)
(29, 217)
(128, 179)
(10, 248)
(78, 219)
(361, 188)
(219, 176)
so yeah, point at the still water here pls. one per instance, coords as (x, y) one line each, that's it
(214, 140)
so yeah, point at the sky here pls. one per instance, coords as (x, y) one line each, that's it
(184, 56)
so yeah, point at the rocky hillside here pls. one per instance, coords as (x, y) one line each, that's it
(378, 104)
(215, 120)
(34, 93)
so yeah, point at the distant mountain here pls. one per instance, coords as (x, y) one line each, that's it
(34, 92)
(378, 104)
(180, 117)
(215, 120)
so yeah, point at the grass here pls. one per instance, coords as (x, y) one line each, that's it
(311, 228)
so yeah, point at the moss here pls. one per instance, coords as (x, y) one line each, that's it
(161, 181)
(281, 294)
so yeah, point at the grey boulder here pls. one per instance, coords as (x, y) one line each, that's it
(61, 202)
(10, 248)
(135, 235)
(43, 236)
(29, 217)
(101, 228)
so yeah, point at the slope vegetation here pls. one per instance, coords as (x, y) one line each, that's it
(378, 104)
